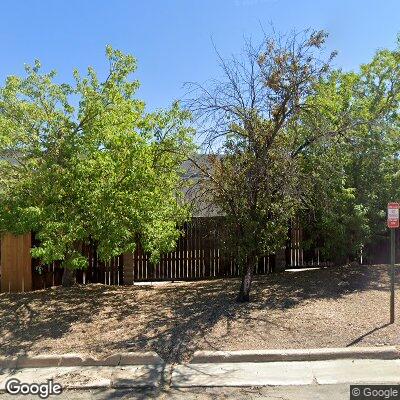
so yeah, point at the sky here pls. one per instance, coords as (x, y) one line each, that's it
(173, 39)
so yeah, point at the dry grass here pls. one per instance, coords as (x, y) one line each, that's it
(334, 307)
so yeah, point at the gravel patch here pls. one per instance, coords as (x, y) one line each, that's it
(331, 307)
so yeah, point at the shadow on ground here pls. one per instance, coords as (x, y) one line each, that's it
(169, 319)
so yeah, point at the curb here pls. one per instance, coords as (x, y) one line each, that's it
(201, 357)
(78, 360)
(254, 356)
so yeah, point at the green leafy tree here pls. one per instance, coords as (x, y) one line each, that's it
(357, 174)
(85, 162)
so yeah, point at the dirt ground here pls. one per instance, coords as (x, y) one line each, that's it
(333, 307)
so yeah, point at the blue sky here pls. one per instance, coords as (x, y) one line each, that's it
(172, 40)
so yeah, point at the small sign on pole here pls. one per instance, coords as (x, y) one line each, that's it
(393, 215)
(392, 223)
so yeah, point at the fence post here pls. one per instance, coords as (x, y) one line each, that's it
(127, 267)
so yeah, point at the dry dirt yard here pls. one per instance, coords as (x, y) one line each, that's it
(334, 307)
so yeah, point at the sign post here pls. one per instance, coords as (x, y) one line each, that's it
(392, 223)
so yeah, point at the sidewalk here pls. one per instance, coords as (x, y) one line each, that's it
(89, 377)
(225, 370)
(287, 373)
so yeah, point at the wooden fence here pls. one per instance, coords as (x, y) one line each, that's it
(15, 266)
(197, 255)
(109, 273)
(296, 255)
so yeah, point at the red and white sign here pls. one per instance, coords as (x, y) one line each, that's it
(393, 215)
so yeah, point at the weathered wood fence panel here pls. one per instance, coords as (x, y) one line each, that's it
(109, 273)
(296, 255)
(197, 256)
(16, 268)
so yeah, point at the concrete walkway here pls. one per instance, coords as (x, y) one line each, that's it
(89, 377)
(213, 374)
(286, 373)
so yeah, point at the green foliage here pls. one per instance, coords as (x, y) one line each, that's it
(354, 175)
(301, 138)
(86, 162)
(257, 192)
(253, 118)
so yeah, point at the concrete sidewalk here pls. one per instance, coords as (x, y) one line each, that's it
(213, 375)
(82, 377)
(286, 373)
(209, 369)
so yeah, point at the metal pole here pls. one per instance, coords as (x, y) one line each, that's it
(392, 255)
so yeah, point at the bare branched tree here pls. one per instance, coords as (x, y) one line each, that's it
(250, 126)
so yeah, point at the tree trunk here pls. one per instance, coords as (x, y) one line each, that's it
(68, 278)
(247, 278)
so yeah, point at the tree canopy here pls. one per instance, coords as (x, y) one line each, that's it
(276, 125)
(354, 177)
(85, 161)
